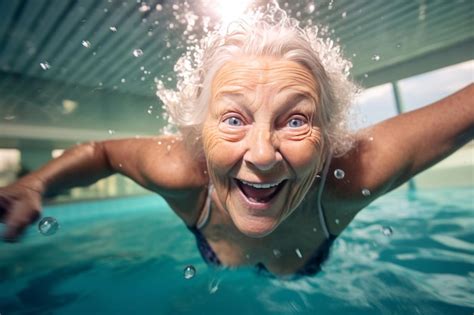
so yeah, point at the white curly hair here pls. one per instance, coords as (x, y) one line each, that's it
(271, 33)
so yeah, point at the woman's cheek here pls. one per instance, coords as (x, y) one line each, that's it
(304, 158)
(220, 152)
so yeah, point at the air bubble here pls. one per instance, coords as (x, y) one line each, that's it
(111, 131)
(45, 65)
(387, 231)
(315, 229)
(398, 45)
(375, 57)
(123, 80)
(371, 138)
(189, 272)
(168, 148)
(86, 43)
(137, 52)
(365, 192)
(120, 165)
(276, 253)
(48, 226)
(144, 7)
(344, 15)
(337, 221)
(159, 7)
(113, 29)
(339, 174)
(366, 75)
(9, 117)
(310, 8)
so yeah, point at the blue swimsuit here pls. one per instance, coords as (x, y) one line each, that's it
(312, 266)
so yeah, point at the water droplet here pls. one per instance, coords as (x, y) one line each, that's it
(336, 221)
(175, 7)
(86, 43)
(100, 83)
(149, 111)
(387, 231)
(144, 7)
(339, 174)
(398, 45)
(189, 272)
(366, 75)
(137, 52)
(315, 229)
(354, 55)
(375, 57)
(205, 172)
(365, 192)
(344, 15)
(247, 256)
(9, 117)
(168, 148)
(123, 80)
(276, 253)
(120, 165)
(298, 253)
(214, 285)
(113, 29)
(310, 8)
(371, 138)
(159, 7)
(45, 65)
(159, 142)
(111, 131)
(48, 226)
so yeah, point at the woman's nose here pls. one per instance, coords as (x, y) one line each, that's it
(261, 150)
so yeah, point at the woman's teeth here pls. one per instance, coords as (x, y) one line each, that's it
(259, 185)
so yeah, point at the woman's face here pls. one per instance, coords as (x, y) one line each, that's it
(262, 141)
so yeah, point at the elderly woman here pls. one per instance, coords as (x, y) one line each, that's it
(263, 172)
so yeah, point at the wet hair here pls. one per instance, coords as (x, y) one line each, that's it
(268, 33)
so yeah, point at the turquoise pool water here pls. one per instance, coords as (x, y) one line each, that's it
(127, 255)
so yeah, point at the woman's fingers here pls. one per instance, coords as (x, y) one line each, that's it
(17, 221)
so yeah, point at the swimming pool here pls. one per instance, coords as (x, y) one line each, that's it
(408, 253)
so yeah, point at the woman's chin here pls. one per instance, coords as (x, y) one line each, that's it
(256, 227)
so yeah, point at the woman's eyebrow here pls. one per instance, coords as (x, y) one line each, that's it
(295, 98)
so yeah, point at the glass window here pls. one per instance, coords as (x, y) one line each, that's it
(426, 88)
(374, 105)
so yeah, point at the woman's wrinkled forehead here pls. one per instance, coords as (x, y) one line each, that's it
(247, 73)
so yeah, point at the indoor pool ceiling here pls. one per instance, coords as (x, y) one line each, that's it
(92, 64)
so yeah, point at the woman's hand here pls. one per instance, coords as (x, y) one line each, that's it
(20, 206)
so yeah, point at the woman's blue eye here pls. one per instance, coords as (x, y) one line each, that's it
(233, 121)
(295, 123)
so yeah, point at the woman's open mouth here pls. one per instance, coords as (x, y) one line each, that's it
(260, 193)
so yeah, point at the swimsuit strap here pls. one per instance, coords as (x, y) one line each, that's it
(206, 210)
(322, 218)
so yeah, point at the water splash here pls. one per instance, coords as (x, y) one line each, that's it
(182, 107)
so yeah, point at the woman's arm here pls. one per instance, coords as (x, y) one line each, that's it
(160, 164)
(391, 152)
